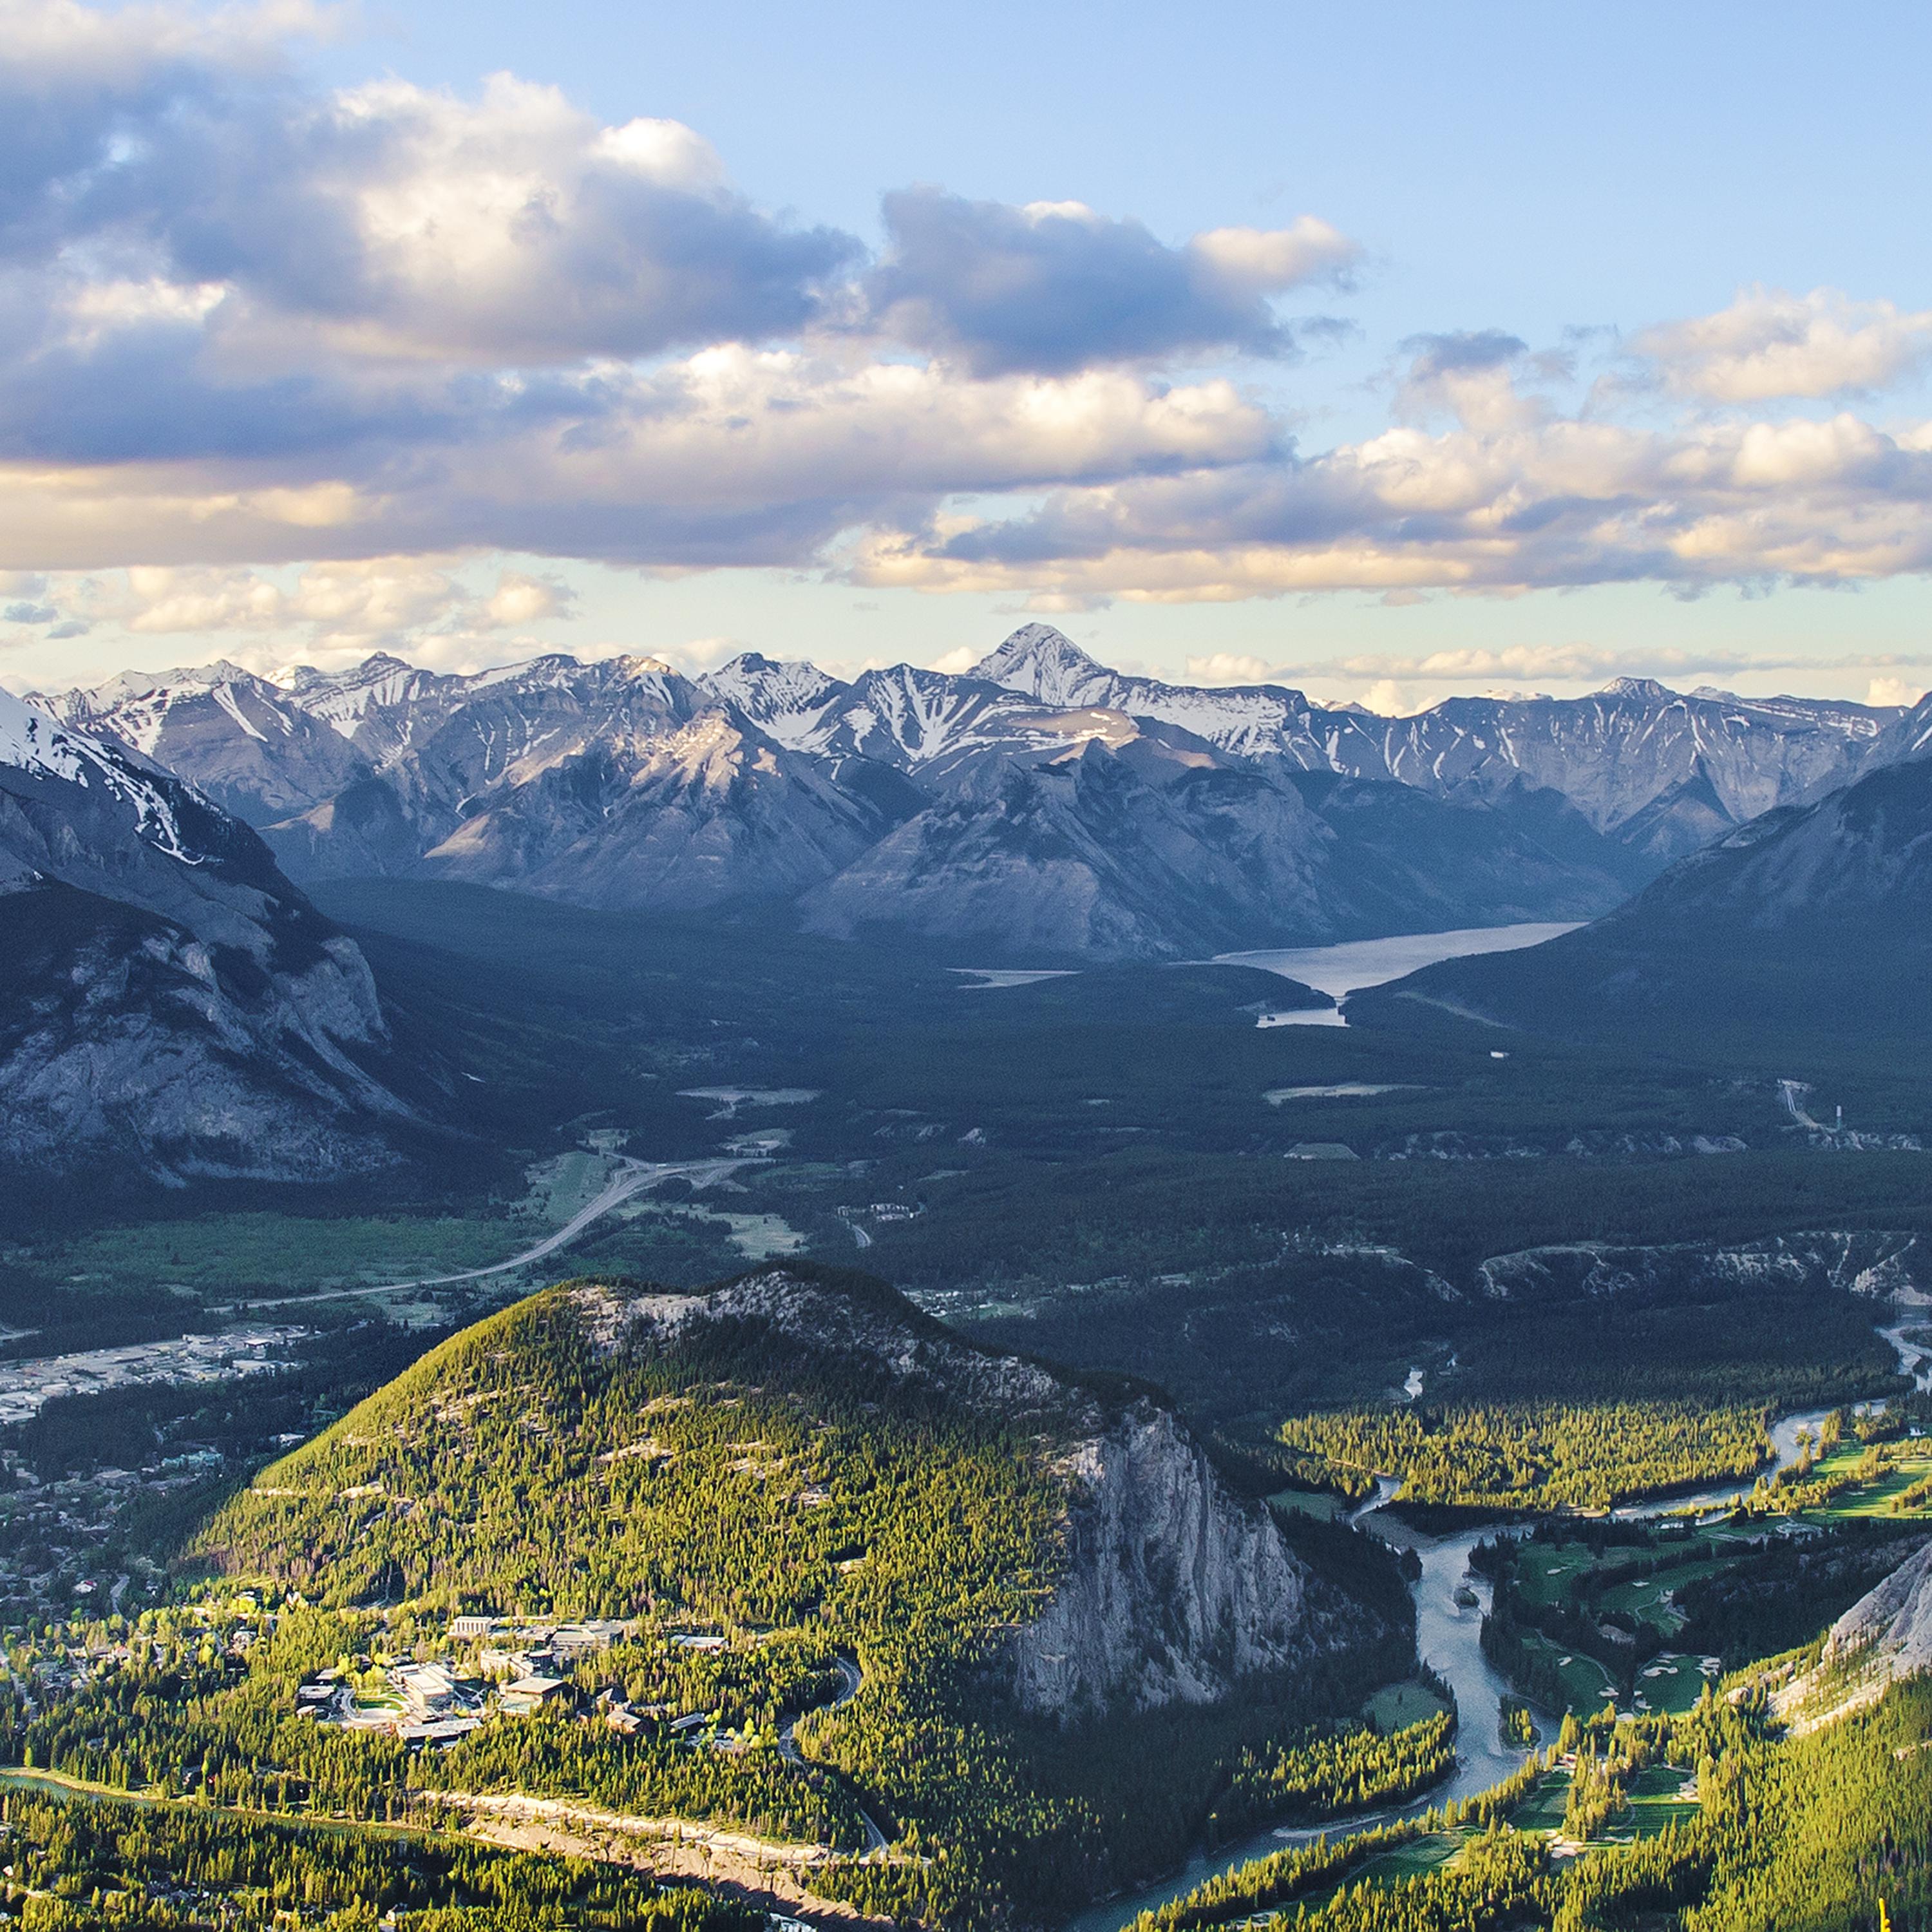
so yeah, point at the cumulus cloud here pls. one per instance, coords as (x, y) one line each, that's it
(203, 188)
(1901, 692)
(245, 323)
(344, 607)
(1227, 667)
(1053, 286)
(1558, 503)
(1769, 345)
(1474, 376)
(733, 456)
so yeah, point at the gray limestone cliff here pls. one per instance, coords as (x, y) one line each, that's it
(1173, 1590)
(1886, 1635)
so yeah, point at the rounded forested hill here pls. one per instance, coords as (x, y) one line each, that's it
(1065, 1629)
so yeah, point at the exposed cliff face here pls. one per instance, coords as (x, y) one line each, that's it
(1894, 1267)
(1173, 1591)
(1171, 1588)
(1886, 1635)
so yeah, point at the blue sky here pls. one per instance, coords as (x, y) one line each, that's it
(1392, 350)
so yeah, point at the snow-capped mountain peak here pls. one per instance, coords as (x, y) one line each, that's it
(34, 742)
(1046, 664)
(31, 741)
(1647, 688)
(786, 698)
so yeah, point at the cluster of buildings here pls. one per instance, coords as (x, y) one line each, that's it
(27, 1388)
(514, 1667)
(520, 1667)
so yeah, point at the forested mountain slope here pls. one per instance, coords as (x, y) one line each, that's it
(1029, 1572)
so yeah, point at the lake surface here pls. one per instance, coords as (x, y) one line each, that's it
(1339, 971)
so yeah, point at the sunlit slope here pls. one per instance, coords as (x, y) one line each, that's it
(799, 1463)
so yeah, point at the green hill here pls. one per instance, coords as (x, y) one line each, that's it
(974, 1638)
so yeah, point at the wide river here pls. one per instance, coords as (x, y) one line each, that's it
(1448, 1638)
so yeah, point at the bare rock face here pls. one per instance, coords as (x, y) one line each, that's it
(1886, 1635)
(1889, 1631)
(1884, 1267)
(1174, 1589)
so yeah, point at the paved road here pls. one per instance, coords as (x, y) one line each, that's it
(635, 1177)
(850, 1678)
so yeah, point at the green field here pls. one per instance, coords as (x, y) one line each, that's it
(1395, 1706)
(1907, 1463)
(1544, 1574)
(1542, 1810)
(1655, 1804)
(1677, 1684)
(1587, 1685)
(222, 1257)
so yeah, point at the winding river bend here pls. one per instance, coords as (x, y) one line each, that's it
(1448, 1638)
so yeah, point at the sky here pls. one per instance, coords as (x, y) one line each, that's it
(1388, 352)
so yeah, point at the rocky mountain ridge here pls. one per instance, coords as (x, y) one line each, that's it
(1814, 920)
(172, 1003)
(1039, 804)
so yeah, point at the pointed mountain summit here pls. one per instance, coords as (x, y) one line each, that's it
(1047, 664)
(1646, 688)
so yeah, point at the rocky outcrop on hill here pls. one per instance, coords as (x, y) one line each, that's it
(1887, 1632)
(1886, 1635)
(1171, 1589)
(1893, 1268)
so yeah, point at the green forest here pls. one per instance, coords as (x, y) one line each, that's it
(73, 1864)
(796, 1504)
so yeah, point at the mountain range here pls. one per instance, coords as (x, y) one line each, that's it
(1039, 807)
(178, 1005)
(1813, 921)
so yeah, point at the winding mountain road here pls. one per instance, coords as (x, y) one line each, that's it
(851, 1678)
(635, 1177)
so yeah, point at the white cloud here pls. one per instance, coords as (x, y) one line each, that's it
(1769, 344)
(958, 662)
(1226, 667)
(329, 610)
(1561, 503)
(520, 600)
(1900, 690)
(1269, 261)
(1388, 699)
(361, 335)
(731, 456)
